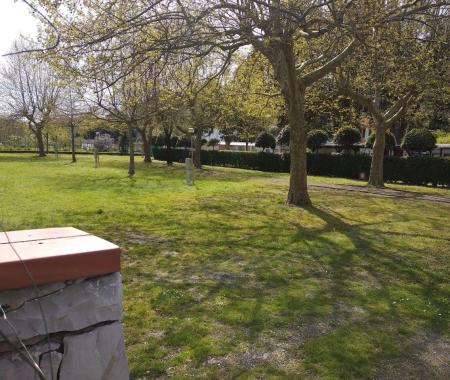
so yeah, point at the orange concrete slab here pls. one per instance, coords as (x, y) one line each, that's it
(55, 259)
(44, 233)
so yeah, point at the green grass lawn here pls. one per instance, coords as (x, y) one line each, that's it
(223, 280)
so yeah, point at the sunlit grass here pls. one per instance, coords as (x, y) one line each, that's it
(223, 280)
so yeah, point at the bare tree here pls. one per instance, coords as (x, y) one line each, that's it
(29, 92)
(71, 110)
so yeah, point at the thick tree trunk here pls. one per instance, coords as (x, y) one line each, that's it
(168, 137)
(298, 182)
(283, 62)
(376, 178)
(131, 169)
(198, 149)
(146, 146)
(39, 142)
(72, 138)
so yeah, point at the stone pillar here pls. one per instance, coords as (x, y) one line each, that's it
(189, 172)
(72, 328)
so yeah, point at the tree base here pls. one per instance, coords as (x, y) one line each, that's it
(376, 184)
(298, 200)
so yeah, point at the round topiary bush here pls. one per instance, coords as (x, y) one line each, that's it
(213, 142)
(419, 140)
(265, 140)
(284, 136)
(389, 141)
(316, 138)
(347, 136)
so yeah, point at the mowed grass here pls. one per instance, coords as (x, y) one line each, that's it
(223, 280)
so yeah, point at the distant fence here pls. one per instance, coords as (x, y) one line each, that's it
(411, 170)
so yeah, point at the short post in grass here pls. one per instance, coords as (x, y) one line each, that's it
(189, 172)
(189, 162)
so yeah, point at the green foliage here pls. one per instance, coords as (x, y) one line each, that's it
(390, 141)
(419, 140)
(284, 136)
(442, 137)
(265, 141)
(316, 138)
(347, 136)
(213, 142)
(412, 170)
(123, 143)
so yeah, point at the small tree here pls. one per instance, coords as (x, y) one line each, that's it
(419, 140)
(347, 137)
(265, 140)
(316, 138)
(284, 136)
(213, 142)
(390, 141)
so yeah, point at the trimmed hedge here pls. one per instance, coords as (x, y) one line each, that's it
(412, 170)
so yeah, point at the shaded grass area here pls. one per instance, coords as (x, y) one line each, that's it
(222, 280)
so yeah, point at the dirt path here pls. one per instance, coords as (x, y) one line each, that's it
(384, 192)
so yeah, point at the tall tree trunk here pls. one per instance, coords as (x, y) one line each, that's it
(198, 148)
(246, 145)
(376, 178)
(168, 137)
(146, 146)
(72, 137)
(298, 182)
(131, 170)
(39, 141)
(284, 65)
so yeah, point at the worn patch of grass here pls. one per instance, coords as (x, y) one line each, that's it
(223, 280)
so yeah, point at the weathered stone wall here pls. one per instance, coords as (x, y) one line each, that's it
(82, 318)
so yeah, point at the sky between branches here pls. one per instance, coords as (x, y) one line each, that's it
(15, 19)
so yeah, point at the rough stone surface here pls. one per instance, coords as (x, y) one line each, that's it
(50, 363)
(14, 367)
(86, 338)
(72, 308)
(14, 299)
(96, 355)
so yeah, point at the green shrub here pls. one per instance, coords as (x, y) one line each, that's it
(316, 138)
(412, 170)
(390, 141)
(265, 140)
(442, 137)
(184, 142)
(347, 137)
(213, 142)
(419, 140)
(284, 136)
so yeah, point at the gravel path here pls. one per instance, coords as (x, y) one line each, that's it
(384, 192)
